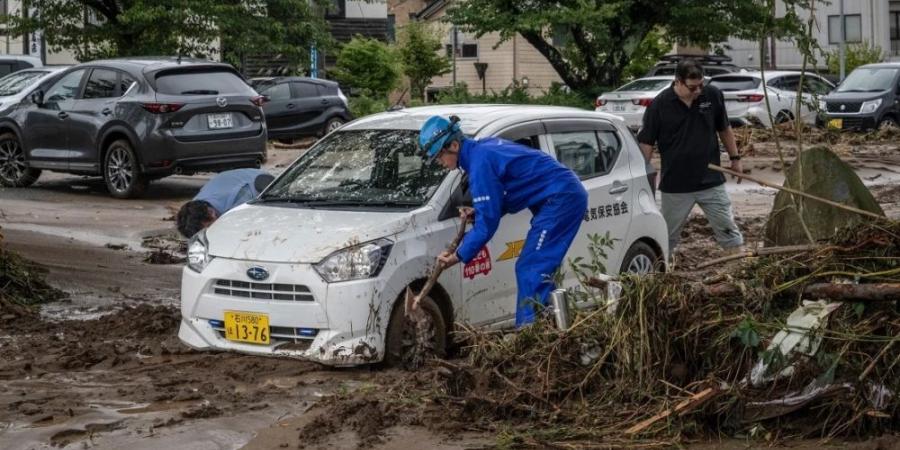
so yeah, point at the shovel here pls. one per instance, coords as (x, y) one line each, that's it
(411, 304)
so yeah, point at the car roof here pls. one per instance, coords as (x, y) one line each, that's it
(31, 59)
(305, 79)
(756, 74)
(884, 65)
(153, 63)
(473, 118)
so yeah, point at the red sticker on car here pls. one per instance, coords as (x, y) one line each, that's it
(480, 264)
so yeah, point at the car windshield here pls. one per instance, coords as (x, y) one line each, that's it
(379, 168)
(735, 83)
(14, 83)
(869, 80)
(645, 85)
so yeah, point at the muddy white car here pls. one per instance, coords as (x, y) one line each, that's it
(317, 266)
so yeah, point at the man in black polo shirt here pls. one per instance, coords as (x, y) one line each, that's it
(683, 122)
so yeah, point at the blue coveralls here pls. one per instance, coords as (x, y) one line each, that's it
(505, 177)
(231, 188)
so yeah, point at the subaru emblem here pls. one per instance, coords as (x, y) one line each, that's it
(843, 107)
(257, 273)
(222, 102)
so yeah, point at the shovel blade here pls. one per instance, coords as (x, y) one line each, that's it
(409, 302)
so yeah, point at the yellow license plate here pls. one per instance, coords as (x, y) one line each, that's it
(836, 123)
(247, 327)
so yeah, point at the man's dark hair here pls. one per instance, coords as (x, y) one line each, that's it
(192, 216)
(688, 69)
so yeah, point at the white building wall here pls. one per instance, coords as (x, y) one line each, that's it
(375, 9)
(875, 29)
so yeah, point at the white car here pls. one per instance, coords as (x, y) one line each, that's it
(746, 104)
(317, 266)
(17, 85)
(631, 100)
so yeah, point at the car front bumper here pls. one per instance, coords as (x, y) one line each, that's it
(338, 324)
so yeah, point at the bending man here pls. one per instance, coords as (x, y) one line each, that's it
(221, 193)
(505, 177)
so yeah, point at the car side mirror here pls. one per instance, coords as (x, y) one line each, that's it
(37, 97)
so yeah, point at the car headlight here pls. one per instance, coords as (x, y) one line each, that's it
(198, 252)
(870, 106)
(355, 263)
(822, 106)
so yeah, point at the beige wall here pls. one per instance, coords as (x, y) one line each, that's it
(513, 59)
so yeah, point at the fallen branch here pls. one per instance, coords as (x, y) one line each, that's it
(833, 291)
(796, 192)
(760, 252)
(686, 406)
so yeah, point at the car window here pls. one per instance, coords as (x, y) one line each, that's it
(578, 151)
(14, 83)
(101, 84)
(714, 71)
(203, 82)
(125, 83)
(66, 88)
(6, 69)
(645, 85)
(790, 83)
(304, 90)
(816, 86)
(281, 91)
(735, 83)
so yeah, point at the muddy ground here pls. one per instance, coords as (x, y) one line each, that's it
(104, 368)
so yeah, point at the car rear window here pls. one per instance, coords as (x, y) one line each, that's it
(205, 82)
(734, 83)
(645, 85)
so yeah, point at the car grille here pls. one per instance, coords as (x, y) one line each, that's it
(849, 107)
(263, 291)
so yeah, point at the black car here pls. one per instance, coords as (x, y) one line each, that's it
(868, 98)
(132, 121)
(300, 106)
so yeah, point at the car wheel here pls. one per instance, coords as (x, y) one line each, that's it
(887, 122)
(640, 259)
(333, 124)
(14, 170)
(783, 116)
(122, 172)
(400, 341)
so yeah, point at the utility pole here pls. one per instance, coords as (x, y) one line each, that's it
(842, 52)
(453, 43)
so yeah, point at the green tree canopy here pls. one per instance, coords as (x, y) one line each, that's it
(368, 65)
(590, 42)
(420, 55)
(95, 29)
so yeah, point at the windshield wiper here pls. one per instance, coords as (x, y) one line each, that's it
(200, 92)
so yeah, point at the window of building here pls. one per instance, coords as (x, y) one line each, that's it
(852, 26)
(895, 31)
(469, 50)
(392, 28)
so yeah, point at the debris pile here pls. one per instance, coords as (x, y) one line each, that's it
(674, 358)
(22, 286)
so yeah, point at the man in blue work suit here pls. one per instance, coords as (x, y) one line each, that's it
(223, 192)
(505, 177)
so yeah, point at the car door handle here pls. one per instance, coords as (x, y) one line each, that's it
(290, 106)
(324, 101)
(63, 115)
(106, 111)
(618, 188)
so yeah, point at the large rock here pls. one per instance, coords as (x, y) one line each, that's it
(823, 175)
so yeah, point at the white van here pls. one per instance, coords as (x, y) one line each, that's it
(317, 266)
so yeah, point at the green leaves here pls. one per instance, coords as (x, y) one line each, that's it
(747, 333)
(368, 65)
(420, 55)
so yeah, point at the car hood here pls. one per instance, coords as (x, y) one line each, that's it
(853, 96)
(297, 235)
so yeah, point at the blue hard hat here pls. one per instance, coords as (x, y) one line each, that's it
(436, 133)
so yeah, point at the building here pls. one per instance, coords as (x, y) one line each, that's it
(31, 44)
(514, 60)
(873, 21)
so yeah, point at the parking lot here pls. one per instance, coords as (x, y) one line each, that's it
(105, 366)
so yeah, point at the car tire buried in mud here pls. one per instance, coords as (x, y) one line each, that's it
(122, 171)
(887, 123)
(400, 342)
(14, 170)
(640, 259)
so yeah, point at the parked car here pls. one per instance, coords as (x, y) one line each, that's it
(300, 106)
(18, 85)
(15, 63)
(712, 65)
(317, 265)
(745, 99)
(868, 98)
(631, 100)
(135, 120)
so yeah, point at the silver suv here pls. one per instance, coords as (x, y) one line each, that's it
(133, 121)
